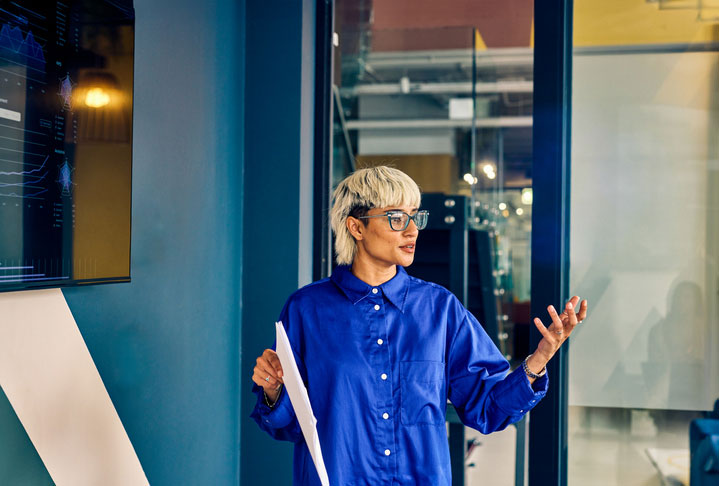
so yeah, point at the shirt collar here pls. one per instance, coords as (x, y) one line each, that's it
(355, 289)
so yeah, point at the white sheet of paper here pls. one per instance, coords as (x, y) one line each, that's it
(300, 401)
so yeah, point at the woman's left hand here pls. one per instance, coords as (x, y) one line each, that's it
(557, 332)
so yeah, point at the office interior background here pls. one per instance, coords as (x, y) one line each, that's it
(247, 113)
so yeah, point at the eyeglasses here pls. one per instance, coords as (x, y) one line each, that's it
(399, 220)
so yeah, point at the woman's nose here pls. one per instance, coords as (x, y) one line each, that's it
(411, 227)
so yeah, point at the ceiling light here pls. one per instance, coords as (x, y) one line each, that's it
(527, 196)
(97, 98)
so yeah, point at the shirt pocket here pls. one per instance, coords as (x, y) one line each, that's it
(421, 392)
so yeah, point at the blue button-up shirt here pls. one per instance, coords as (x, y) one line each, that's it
(379, 364)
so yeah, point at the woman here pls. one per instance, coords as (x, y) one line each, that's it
(381, 352)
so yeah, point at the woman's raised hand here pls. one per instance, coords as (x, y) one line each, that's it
(268, 374)
(557, 332)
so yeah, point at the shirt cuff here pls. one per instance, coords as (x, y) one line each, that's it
(519, 396)
(280, 414)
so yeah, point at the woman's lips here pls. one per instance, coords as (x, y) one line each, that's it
(408, 248)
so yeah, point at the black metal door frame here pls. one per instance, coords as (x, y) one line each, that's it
(321, 247)
(551, 138)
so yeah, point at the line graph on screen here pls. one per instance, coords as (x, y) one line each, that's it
(25, 184)
(21, 49)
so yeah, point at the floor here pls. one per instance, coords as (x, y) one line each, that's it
(607, 447)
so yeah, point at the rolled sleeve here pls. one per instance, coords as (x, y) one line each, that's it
(279, 415)
(279, 420)
(516, 396)
(486, 397)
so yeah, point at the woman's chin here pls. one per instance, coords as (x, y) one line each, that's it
(405, 260)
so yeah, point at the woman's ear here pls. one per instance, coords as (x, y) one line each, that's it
(355, 227)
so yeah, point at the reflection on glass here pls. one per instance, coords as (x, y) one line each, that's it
(65, 142)
(675, 369)
(644, 239)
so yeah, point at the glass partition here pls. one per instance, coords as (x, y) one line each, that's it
(644, 238)
(445, 95)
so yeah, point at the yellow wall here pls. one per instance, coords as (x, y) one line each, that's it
(632, 22)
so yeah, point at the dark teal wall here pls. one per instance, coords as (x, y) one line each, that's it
(223, 138)
(167, 345)
(277, 199)
(19, 462)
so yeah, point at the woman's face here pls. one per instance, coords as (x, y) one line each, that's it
(381, 244)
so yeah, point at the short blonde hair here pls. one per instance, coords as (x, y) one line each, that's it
(364, 189)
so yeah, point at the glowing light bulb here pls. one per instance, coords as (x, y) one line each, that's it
(489, 170)
(97, 98)
(502, 206)
(527, 196)
(469, 178)
(520, 211)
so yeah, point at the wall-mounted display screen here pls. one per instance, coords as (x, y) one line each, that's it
(66, 84)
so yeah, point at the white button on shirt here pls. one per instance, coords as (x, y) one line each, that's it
(379, 341)
(374, 291)
(385, 415)
(387, 452)
(376, 307)
(383, 376)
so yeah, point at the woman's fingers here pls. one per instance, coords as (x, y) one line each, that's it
(561, 327)
(581, 308)
(266, 376)
(571, 315)
(582, 311)
(575, 301)
(556, 320)
(259, 378)
(550, 342)
(274, 361)
(268, 370)
(543, 329)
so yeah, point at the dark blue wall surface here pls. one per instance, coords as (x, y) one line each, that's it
(277, 199)
(167, 344)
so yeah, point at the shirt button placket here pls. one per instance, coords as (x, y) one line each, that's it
(385, 363)
(386, 436)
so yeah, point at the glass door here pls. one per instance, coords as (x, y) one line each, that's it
(644, 237)
(444, 92)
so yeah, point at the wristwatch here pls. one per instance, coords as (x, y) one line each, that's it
(529, 372)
